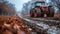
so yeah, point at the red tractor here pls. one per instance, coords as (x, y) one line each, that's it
(41, 8)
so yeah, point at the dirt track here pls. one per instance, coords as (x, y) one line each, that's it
(51, 24)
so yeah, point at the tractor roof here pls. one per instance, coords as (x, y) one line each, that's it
(39, 2)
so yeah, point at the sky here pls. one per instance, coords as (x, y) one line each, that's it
(18, 3)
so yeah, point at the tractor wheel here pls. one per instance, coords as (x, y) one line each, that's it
(51, 12)
(42, 13)
(32, 13)
(37, 12)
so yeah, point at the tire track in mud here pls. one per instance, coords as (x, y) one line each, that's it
(44, 27)
(40, 24)
(49, 20)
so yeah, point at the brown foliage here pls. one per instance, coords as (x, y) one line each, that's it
(12, 24)
(7, 8)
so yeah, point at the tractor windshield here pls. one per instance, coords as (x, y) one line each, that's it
(40, 4)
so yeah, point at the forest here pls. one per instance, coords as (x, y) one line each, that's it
(6, 8)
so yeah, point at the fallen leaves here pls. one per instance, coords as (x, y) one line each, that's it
(12, 23)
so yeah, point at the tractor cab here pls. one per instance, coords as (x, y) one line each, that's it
(39, 3)
(42, 5)
(41, 8)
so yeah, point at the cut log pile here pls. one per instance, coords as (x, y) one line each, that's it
(12, 25)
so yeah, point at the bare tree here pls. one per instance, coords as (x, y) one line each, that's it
(56, 4)
(6, 8)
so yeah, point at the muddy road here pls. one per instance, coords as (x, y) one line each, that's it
(43, 25)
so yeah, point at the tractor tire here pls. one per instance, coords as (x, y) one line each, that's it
(32, 13)
(42, 13)
(37, 12)
(51, 12)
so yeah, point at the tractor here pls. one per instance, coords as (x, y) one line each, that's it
(41, 8)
